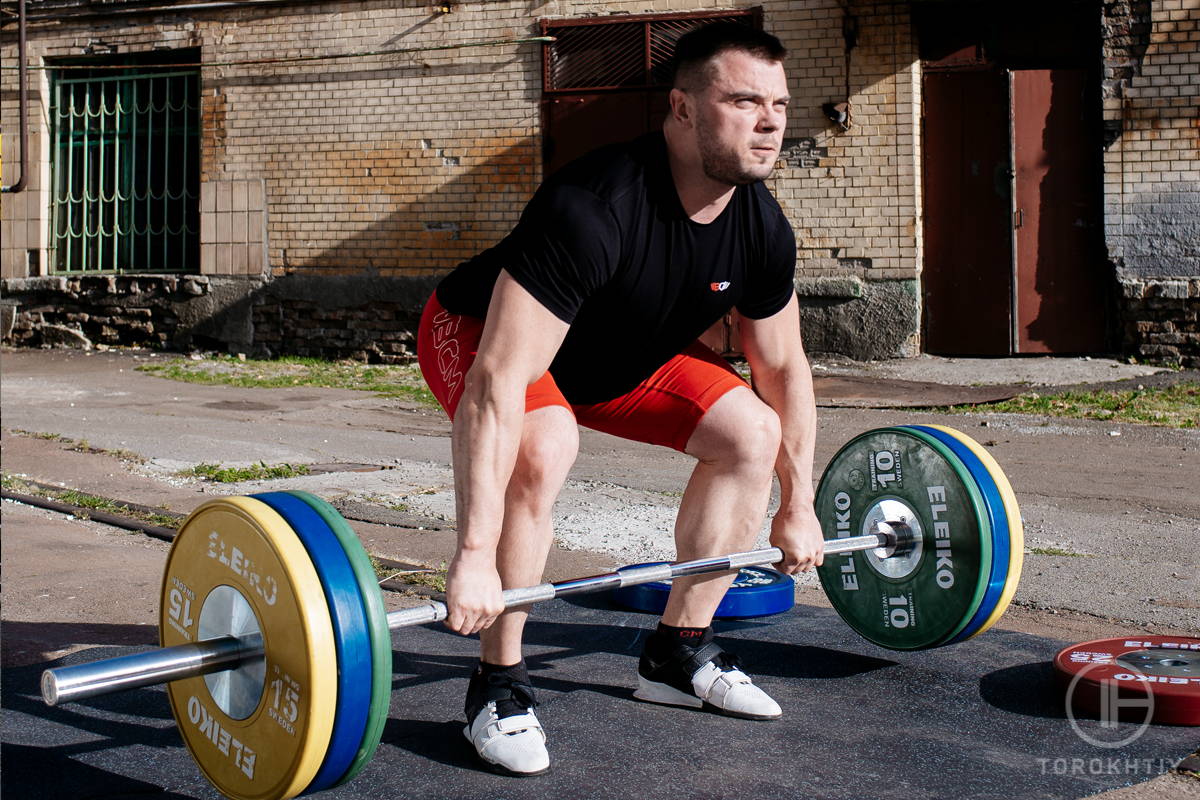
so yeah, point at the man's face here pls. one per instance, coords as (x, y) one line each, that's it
(740, 117)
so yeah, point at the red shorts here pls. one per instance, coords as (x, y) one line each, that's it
(664, 409)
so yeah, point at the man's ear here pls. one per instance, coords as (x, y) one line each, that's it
(681, 110)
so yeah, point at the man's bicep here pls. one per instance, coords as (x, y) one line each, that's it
(520, 335)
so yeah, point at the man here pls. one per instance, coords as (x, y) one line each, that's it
(589, 313)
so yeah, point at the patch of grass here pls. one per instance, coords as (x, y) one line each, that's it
(433, 578)
(403, 381)
(81, 446)
(84, 500)
(12, 483)
(1054, 551)
(1176, 406)
(255, 472)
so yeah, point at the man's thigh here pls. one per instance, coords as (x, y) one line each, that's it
(667, 407)
(447, 344)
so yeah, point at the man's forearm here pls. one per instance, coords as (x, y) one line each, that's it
(487, 431)
(789, 391)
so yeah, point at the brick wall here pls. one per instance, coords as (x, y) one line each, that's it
(405, 164)
(401, 165)
(1152, 172)
(410, 163)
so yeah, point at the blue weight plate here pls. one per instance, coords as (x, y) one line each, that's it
(756, 592)
(1001, 541)
(349, 630)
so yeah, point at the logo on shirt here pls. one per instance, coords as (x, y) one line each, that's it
(719, 286)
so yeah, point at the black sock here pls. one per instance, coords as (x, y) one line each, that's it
(508, 685)
(667, 638)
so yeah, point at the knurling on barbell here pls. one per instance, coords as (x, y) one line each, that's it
(903, 517)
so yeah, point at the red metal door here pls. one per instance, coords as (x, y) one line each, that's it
(1061, 303)
(579, 123)
(967, 277)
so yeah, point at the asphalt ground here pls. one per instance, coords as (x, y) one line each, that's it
(978, 719)
(981, 719)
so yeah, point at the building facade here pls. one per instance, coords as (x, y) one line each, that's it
(276, 177)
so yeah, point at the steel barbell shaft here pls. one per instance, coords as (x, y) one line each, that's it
(78, 682)
(633, 576)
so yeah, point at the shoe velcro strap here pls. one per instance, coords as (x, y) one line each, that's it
(694, 662)
(518, 723)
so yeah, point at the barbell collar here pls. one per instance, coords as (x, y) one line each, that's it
(162, 665)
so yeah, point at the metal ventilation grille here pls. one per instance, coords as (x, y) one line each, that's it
(662, 39)
(592, 56)
(625, 53)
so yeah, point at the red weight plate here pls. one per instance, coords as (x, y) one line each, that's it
(1152, 678)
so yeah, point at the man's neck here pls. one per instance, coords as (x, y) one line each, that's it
(702, 198)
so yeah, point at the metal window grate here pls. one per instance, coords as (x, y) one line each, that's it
(625, 53)
(125, 172)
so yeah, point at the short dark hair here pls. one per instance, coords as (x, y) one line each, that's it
(696, 49)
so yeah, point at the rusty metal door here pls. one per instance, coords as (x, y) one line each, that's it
(967, 277)
(1060, 298)
(1013, 256)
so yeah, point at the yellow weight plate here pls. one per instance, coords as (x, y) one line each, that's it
(1016, 532)
(274, 751)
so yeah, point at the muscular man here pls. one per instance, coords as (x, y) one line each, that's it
(589, 313)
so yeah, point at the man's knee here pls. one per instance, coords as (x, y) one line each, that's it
(739, 427)
(549, 445)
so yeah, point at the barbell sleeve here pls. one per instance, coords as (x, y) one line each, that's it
(165, 664)
(80, 681)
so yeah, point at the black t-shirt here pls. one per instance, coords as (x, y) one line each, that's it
(606, 246)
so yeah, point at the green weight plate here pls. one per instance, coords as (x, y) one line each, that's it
(925, 598)
(1016, 533)
(381, 637)
(234, 558)
(985, 532)
(996, 516)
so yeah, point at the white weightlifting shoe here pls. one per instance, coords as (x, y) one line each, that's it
(513, 745)
(707, 678)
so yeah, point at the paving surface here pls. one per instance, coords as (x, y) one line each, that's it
(979, 720)
(1112, 513)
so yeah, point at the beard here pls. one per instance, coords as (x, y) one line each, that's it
(723, 163)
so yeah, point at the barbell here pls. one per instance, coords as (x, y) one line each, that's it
(276, 647)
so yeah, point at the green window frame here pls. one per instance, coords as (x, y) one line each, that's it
(125, 171)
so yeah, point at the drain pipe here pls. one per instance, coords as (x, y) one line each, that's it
(23, 101)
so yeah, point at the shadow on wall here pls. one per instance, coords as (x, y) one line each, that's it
(471, 196)
(362, 298)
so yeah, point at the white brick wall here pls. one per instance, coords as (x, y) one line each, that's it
(408, 163)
